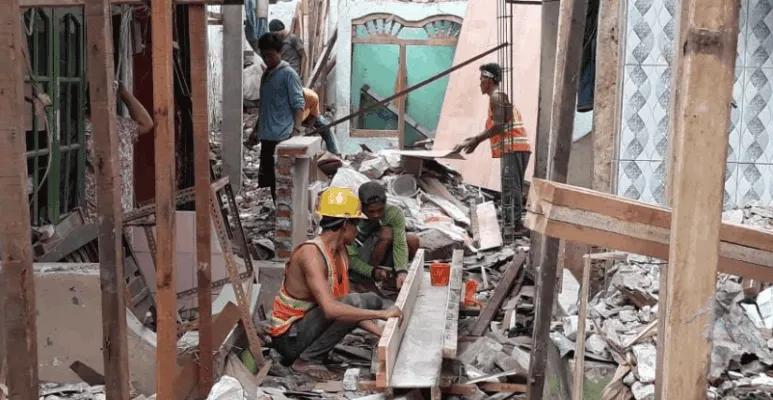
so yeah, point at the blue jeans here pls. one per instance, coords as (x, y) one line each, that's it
(327, 135)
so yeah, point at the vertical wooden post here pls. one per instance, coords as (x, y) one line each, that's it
(571, 25)
(708, 40)
(16, 279)
(402, 79)
(99, 54)
(233, 19)
(163, 115)
(197, 23)
(607, 94)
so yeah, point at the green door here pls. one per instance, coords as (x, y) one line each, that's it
(55, 148)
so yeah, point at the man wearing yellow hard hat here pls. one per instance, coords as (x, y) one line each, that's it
(314, 309)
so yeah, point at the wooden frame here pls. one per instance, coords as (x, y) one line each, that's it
(384, 28)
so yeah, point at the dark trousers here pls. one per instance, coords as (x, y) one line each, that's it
(315, 335)
(513, 172)
(266, 169)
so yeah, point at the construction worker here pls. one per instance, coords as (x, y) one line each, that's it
(313, 119)
(292, 49)
(280, 112)
(382, 247)
(509, 143)
(128, 131)
(314, 310)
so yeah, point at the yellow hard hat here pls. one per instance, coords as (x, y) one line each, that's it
(339, 202)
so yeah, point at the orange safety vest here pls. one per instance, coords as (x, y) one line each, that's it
(512, 139)
(287, 309)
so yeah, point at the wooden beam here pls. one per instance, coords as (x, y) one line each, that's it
(16, 282)
(452, 306)
(99, 54)
(607, 95)
(708, 39)
(582, 316)
(571, 26)
(163, 115)
(71, 3)
(232, 84)
(601, 219)
(500, 294)
(197, 23)
(392, 336)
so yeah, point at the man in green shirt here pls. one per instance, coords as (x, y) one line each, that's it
(382, 247)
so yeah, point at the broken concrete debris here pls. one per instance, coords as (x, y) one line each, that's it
(622, 319)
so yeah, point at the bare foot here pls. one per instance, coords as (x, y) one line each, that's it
(315, 371)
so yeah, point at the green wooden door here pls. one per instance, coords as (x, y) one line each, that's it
(55, 147)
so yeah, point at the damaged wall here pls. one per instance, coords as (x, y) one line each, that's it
(68, 301)
(353, 9)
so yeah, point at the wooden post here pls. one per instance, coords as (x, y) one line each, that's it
(607, 95)
(197, 23)
(163, 115)
(233, 17)
(571, 26)
(16, 276)
(708, 40)
(582, 316)
(99, 54)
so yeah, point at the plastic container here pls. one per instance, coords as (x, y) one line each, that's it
(440, 274)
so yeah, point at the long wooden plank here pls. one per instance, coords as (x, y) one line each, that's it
(163, 116)
(420, 355)
(571, 25)
(607, 95)
(642, 238)
(392, 336)
(99, 43)
(16, 282)
(500, 294)
(197, 23)
(634, 211)
(708, 40)
(582, 316)
(464, 109)
(452, 306)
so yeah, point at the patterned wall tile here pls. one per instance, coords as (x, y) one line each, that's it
(743, 25)
(754, 184)
(759, 34)
(731, 185)
(757, 116)
(642, 180)
(650, 32)
(645, 112)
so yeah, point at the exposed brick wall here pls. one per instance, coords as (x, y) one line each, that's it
(293, 159)
(284, 203)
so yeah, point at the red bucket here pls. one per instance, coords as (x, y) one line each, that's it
(440, 274)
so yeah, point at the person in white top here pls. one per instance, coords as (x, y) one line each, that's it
(253, 72)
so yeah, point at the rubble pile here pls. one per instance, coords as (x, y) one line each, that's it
(621, 327)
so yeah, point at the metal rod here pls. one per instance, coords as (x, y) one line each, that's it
(407, 90)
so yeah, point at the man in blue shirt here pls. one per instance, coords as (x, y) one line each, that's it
(280, 113)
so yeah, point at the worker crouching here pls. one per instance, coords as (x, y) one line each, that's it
(314, 310)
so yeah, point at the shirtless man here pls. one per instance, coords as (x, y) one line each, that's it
(314, 309)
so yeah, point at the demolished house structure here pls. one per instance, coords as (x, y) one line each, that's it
(647, 273)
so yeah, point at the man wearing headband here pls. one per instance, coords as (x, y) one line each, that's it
(382, 247)
(509, 143)
(314, 310)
